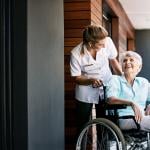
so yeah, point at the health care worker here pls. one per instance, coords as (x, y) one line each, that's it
(89, 65)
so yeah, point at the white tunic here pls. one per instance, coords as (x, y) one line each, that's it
(95, 68)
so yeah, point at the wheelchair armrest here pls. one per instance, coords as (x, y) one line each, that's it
(127, 117)
(115, 106)
(111, 111)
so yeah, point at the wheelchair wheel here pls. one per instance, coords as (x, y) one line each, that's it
(100, 134)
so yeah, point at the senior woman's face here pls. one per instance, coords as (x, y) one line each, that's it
(130, 65)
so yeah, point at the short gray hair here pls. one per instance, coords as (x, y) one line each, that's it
(130, 53)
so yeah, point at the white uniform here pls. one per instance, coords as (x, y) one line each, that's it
(96, 68)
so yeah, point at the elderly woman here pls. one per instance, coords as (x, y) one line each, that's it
(132, 91)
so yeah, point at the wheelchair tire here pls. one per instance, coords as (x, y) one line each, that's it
(109, 136)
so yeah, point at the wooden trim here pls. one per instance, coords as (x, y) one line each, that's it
(77, 6)
(130, 44)
(115, 32)
(77, 15)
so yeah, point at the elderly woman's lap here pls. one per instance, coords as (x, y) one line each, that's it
(127, 124)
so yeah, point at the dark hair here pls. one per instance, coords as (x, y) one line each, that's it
(93, 34)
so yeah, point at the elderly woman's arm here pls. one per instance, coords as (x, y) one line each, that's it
(136, 109)
(114, 100)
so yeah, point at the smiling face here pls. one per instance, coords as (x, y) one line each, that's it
(131, 65)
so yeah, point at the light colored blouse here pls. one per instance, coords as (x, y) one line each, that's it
(139, 93)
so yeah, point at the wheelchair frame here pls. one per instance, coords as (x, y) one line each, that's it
(112, 138)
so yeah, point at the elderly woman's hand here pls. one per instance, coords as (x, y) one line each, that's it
(137, 112)
(147, 111)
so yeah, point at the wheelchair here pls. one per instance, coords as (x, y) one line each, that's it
(105, 134)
